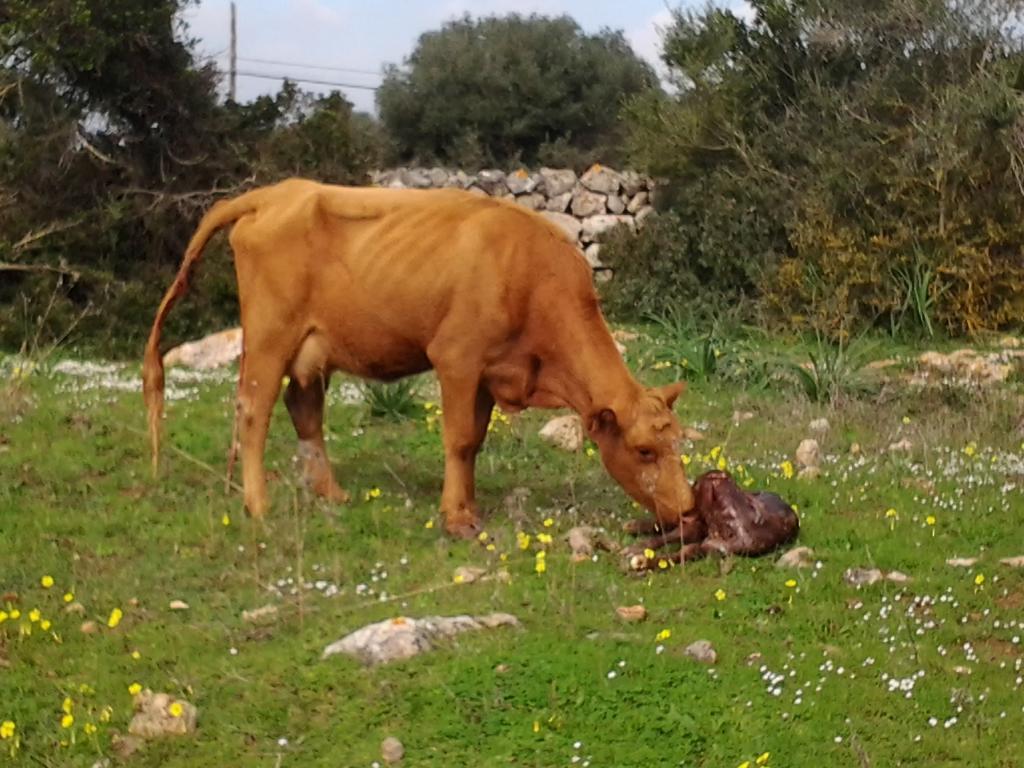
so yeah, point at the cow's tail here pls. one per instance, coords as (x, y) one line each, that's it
(220, 215)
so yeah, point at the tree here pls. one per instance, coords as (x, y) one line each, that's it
(880, 140)
(504, 89)
(113, 142)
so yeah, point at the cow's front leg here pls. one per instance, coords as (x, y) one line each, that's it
(467, 411)
(306, 407)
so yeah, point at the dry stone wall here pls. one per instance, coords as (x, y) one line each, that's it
(585, 206)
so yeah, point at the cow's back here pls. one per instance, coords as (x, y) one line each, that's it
(379, 271)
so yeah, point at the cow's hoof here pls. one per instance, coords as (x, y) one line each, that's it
(335, 494)
(641, 526)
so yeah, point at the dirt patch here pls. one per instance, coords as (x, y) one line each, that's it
(1011, 602)
(994, 649)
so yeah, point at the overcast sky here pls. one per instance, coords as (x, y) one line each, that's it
(367, 34)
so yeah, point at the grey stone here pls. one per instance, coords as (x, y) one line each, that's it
(403, 638)
(595, 226)
(637, 201)
(557, 181)
(570, 224)
(702, 651)
(532, 201)
(520, 182)
(587, 203)
(492, 181)
(416, 178)
(601, 179)
(438, 177)
(559, 203)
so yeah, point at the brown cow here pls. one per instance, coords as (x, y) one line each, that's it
(387, 283)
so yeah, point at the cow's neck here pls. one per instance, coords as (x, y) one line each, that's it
(582, 368)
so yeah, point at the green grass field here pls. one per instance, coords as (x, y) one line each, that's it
(926, 673)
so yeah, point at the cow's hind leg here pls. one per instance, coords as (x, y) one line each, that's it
(467, 406)
(305, 403)
(260, 386)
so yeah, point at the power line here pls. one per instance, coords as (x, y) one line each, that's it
(309, 66)
(266, 76)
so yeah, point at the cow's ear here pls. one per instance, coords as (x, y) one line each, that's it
(671, 392)
(603, 422)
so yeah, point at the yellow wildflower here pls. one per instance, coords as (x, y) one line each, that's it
(15, 613)
(590, 451)
(649, 554)
(225, 519)
(67, 721)
(685, 458)
(136, 655)
(791, 583)
(722, 463)
(744, 764)
(3, 616)
(482, 536)
(34, 615)
(373, 493)
(665, 634)
(548, 522)
(45, 625)
(523, 539)
(540, 564)
(930, 520)
(89, 729)
(175, 710)
(720, 595)
(544, 538)
(763, 758)
(490, 547)
(906, 419)
(67, 705)
(458, 578)
(105, 714)
(787, 469)
(503, 556)
(663, 563)
(536, 726)
(134, 689)
(715, 452)
(115, 618)
(979, 579)
(46, 581)
(971, 448)
(429, 523)
(68, 597)
(7, 729)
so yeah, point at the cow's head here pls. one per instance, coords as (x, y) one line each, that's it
(639, 443)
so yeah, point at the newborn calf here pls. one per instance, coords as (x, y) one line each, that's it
(725, 521)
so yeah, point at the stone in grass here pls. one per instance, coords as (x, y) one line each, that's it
(467, 574)
(584, 540)
(403, 638)
(702, 651)
(808, 453)
(178, 605)
(266, 614)
(631, 613)
(565, 432)
(392, 750)
(1013, 562)
(798, 557)
(962, 562)
(863, 577)
(159, 714)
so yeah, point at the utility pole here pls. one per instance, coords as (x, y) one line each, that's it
(234, 56)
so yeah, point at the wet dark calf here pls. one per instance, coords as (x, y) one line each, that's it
(725, 521)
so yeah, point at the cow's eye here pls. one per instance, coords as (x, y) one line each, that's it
(647, 454)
